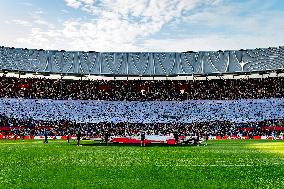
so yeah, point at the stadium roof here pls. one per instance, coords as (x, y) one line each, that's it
(142, 64)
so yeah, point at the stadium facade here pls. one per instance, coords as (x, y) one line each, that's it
(141, 63)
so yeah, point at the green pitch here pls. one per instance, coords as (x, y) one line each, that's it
(221, 164)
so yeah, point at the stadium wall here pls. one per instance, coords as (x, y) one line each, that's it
(136, 140)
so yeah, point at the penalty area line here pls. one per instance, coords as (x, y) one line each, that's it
(218, 165)
(212, 165)
(200, 165)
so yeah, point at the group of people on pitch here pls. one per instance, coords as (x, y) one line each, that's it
(193, 140)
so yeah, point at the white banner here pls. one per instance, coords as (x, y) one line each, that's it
(144, 112)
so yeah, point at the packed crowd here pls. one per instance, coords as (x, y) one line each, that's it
(97, 130)
(137, 90)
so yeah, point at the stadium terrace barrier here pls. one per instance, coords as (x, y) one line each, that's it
(54, 137)
(12, 137)
(144, 112)
(141, 63)
(136, 140)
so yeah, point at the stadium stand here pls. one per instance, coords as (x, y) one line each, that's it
(138, 90)
(217, 107)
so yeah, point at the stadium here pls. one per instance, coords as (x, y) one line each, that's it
(90, 119)
(169, 94)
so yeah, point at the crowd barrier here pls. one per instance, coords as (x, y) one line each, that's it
(136, 139)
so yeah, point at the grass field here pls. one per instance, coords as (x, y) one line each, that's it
(221, 164)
